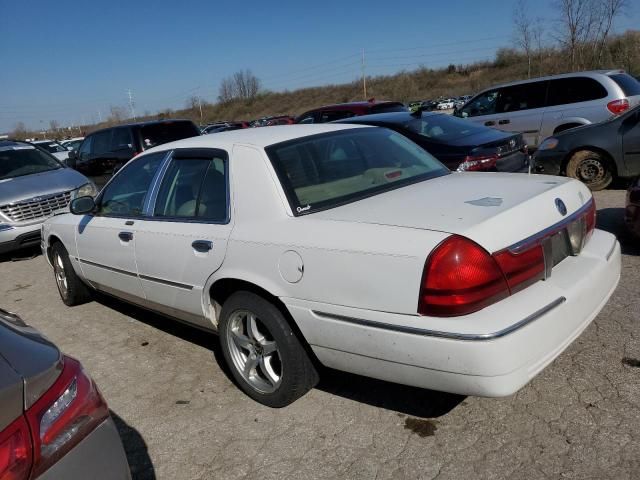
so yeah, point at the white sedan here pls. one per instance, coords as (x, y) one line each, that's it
(345, 246)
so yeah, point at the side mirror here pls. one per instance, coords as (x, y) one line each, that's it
(82, 205)
(72, 159)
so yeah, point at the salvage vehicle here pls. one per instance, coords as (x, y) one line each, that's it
(54, 148)
(54, 422)
(594, 154)
(541, 107)
(632, 208)
(348, 246)
(329, 113)
(33, 186)
(460, 145)
(105, 151)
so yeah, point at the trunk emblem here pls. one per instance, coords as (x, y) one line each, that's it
(562, 208)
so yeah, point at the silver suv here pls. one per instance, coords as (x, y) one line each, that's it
(541, 107)
(33, 186)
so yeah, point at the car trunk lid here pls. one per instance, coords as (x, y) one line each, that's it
(496, 210)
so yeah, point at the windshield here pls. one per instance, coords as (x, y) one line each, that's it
(25, 160)
(52, 147)
(330, 169)
(442, 128)
(165, 132)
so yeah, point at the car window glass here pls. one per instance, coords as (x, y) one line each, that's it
(576, 89)
(388, 108)
(126, 193)
(194, 188)
(331, 169)
(85, 148)
(308, 119)
(483, 104)
(521, 97)
(101, 142)
(121, 139)
(629, 85)
(165, 132)
(330, 116)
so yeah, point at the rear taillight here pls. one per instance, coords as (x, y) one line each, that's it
(478, 163)
(15, 451)
(522, 268)
(618, 106)
(64, 415)
(460, 277)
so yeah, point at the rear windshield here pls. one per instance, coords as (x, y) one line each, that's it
(331, 169)
(442, 128)
(25, 160)
(388, 107)
(629, 85)
(159, 133)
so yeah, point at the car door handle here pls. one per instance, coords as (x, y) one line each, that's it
(125, 236)
(504, 122)
(489, 123)
(202, 245)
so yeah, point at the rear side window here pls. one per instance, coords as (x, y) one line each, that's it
(388, 107)
(165, 132)
(629, 85)
(101, 142)
(521, 97)
(573, 90)
(194, 188)
(121, 139)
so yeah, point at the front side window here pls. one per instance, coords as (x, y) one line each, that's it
(307, 119)
(330, 116)
(330, 169)
(194, 188)
(125, 194)
(24, 160)
(165, 132)
(576, 89)
(85, 149)
(483, 104)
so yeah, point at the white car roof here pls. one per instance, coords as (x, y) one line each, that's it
(259, 137)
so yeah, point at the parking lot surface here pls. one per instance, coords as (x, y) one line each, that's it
(180, 417)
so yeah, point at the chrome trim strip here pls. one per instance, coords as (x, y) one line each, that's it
(549, 230)
(448, 335)
(166, 282)
(112, 269)
(613, 249)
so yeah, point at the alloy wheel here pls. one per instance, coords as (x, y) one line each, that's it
(61, 277)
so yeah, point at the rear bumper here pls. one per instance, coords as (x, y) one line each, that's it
(100, 456)
(491, 353)
(16, 238)
(516, 162)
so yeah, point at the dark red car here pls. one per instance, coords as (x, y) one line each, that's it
(329, 113)
(632, 210)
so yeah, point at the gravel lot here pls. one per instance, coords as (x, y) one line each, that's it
(181, 417)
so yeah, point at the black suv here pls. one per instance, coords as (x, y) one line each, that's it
(103, 152)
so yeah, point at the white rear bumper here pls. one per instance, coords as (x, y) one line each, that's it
(493, 352)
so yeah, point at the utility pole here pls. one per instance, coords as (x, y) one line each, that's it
(133, 112)
(364, 77)
(99, 116)
(200, 105)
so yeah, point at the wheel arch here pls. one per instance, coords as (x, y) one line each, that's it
(50, 241)
(222, 288)
(567, 125)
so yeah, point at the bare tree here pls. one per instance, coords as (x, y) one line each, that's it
(575, 25)
(192, 102)
(242, 85)
(524, 31)
(19, 131)
(54, 126)
(608, 10)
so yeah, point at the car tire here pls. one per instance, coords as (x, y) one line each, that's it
(72, 290)
(265, 356)
(591, 168)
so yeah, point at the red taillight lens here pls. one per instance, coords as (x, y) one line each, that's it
(460, 277)
(15, 451)
(521, 269)
(478, 163)
(618, 106)
(64, 415)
